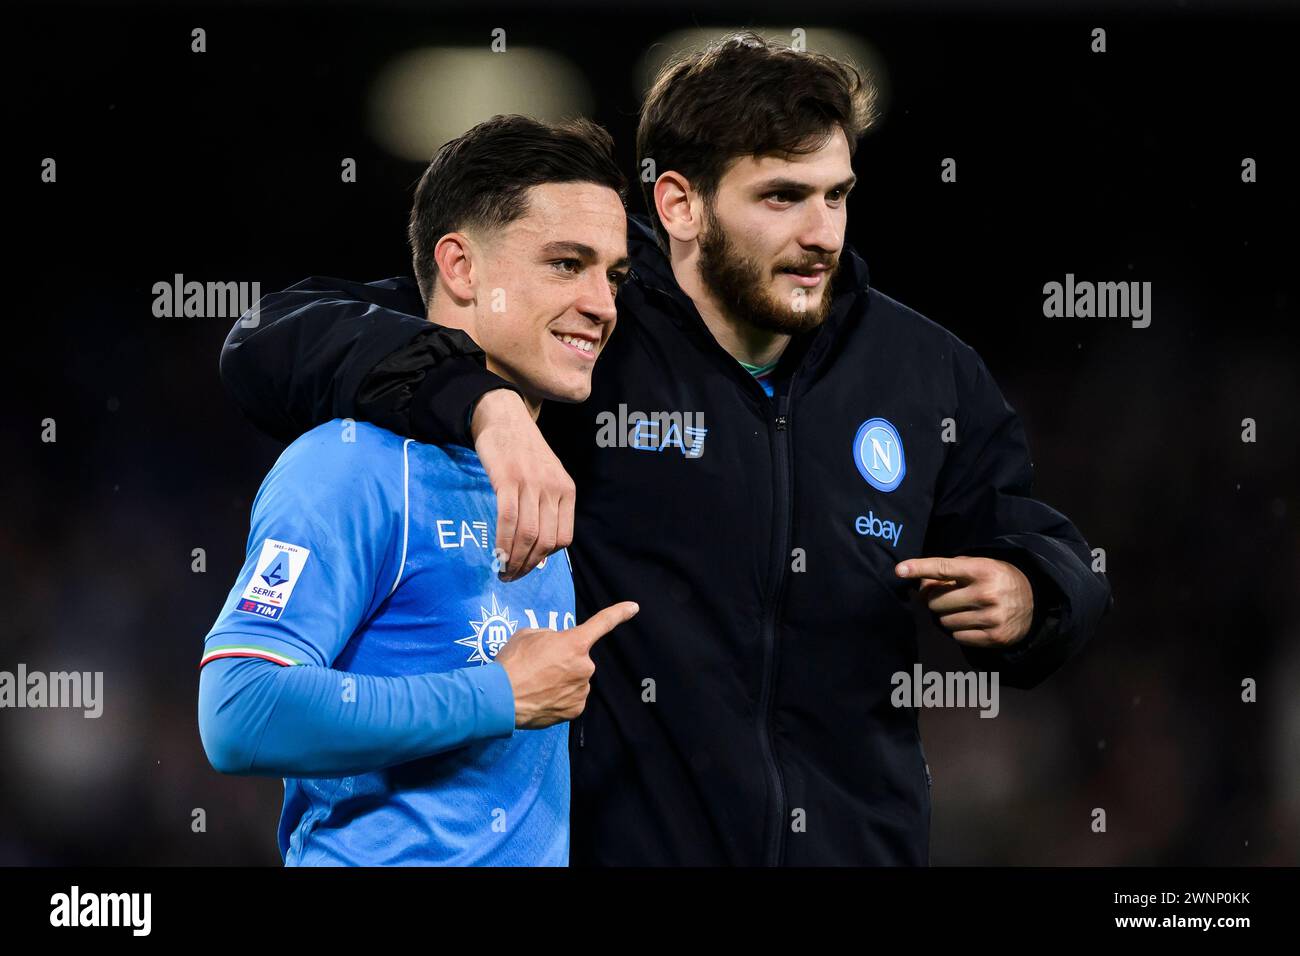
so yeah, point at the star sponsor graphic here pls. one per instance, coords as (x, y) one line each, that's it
(490, 633)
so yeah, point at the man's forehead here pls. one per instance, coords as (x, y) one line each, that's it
(586, 213)
(829, 161)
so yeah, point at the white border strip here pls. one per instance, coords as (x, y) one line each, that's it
(406, 510)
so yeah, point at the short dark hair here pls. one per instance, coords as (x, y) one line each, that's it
(479, 180)
(744, 95)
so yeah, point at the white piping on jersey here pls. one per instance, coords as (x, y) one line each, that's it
(406, 509)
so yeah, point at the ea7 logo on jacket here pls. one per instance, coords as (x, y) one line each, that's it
(657, 431)
(878, 453)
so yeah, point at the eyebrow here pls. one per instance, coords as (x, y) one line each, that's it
(780, 184)
(579, 250)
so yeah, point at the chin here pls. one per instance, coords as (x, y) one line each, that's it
(816, 307)
(812, 300)
(569, 392)
(785, 321)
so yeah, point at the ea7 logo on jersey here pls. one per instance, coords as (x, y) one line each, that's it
(878, 453)
(470, 532)
(276, 572)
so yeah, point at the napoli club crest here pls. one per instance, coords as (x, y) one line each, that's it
(878, 453)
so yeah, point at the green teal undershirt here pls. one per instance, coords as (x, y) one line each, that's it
(762, 374)
(757, 370)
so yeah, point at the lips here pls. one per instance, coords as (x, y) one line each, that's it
(584, 345)
(808, 277)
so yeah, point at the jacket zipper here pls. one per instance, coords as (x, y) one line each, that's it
(929, 798)
(781, 440)
(779, 431)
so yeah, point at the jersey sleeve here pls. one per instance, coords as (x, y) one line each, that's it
(323, 552)
(259, 718)
(327, 547)
(984, 508)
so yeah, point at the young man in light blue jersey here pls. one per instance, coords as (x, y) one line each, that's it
(369, 653)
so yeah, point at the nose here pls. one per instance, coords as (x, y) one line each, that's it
(823, 229)
(597, 299)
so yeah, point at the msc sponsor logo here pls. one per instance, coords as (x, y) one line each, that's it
(496, 627)
(878, 453)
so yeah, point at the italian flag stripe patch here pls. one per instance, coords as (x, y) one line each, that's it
(242, 651)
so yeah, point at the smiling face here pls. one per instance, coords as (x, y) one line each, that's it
(773, 234)
(545, 286)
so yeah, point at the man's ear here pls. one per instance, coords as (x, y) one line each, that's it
(679, 206)
(455, 255)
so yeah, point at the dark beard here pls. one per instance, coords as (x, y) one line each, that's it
(740, 284)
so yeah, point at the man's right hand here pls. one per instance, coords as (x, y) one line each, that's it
(550, 671)
(535, 495)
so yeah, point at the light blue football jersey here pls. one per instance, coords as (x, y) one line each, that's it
(371, 553)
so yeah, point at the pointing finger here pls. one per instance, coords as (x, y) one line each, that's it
(602, 622)
(945, 568)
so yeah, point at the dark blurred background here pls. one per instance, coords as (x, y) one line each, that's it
(225, 166)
